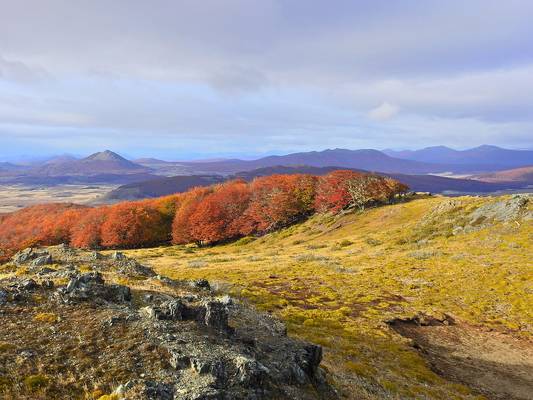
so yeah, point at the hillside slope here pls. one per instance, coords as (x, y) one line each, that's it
(524, 175)
(427, 299)
(161, 187)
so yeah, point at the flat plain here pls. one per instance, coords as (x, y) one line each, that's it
(15, 197)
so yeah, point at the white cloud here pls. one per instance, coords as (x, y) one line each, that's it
(383, 112)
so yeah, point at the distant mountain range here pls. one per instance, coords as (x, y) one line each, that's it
(109, 167)
(431, 160)
(488, 157)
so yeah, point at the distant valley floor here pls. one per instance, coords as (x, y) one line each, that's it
(15, 197)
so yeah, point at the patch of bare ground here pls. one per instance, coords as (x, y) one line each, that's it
(493, 363)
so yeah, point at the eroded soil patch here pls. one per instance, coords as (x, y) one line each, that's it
(495, 364)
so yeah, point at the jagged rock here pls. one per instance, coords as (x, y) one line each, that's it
(91, 278)
(216, 315)
(250, 372)
(46, 271)
(3, 296)
(178, 360)
(202, 284)
(226, 300)
(503, 210)
(26, 285)
(310, 358)
(92, 285)
(169, 310)
(215, 368)
(158, 391)
(173, 309)
(47, 284)
(29, 254)
(42, 260)
(117, 293)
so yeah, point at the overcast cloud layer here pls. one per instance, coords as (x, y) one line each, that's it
(184, 79)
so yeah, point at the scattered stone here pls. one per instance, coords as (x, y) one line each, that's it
(29, 254)
(3, 296)
(26, 285)
(118, 256)
(202, 284)
(46, 271)
(42, 260)
(178, 360)
(47, 284)
(159, 391)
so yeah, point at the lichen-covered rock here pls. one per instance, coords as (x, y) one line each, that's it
(216, 315)
(29, 254)
(91, 285)
(250, 372)
(42, 260)
(503, 210)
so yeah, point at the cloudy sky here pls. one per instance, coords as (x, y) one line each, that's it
(185, 79)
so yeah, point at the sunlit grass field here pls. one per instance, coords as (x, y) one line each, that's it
(337, 280)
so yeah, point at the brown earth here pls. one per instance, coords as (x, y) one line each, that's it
(495, 364)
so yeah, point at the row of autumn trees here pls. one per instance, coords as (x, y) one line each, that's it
(202, 215)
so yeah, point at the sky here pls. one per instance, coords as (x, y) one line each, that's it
(207, 78)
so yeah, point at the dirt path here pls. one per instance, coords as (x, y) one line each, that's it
(495, 364)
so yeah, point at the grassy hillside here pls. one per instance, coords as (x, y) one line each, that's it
(337, 280)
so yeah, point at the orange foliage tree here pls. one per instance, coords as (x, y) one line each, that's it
(132, 224)
(332, 191)
(87, 233)
(344, 189)
(277, 201)
(186, 205)
(37, 225)
(201, 215)
(217, 217)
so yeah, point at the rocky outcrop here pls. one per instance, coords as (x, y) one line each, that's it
(208, 345)
(37, 257)
(91, 286)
